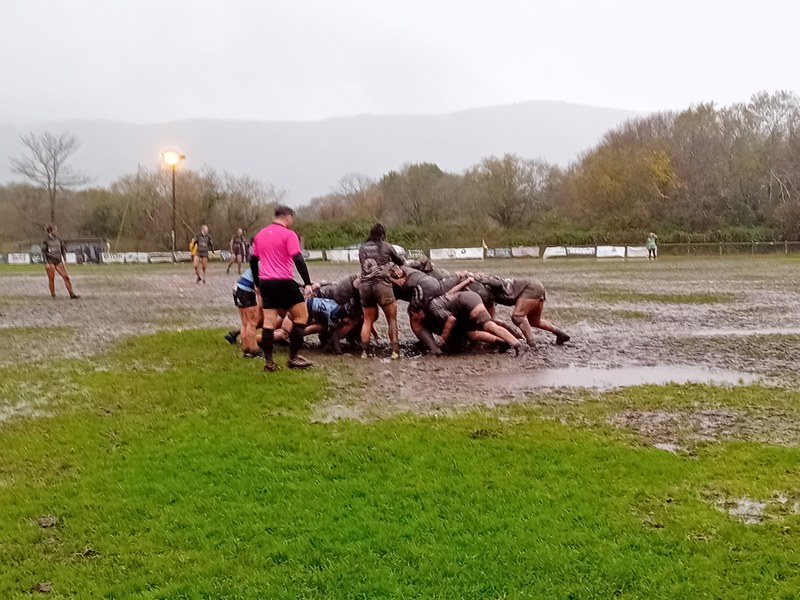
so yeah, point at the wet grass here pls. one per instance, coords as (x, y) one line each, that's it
(20, 344)
(175, 471)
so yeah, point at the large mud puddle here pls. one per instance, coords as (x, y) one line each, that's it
(607, 379)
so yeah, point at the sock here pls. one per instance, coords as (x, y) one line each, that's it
(267, 342)
(296, 339)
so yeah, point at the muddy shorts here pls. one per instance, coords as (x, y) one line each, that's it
(533, 291)
(244, 299)
(463, 306)
(280, 294)
(376, 293)
(483, 292)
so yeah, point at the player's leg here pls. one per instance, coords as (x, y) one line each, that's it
(50, 269)
(390, 312)
(535, 319)
(298, 313)
(61, 269)
(196, 265)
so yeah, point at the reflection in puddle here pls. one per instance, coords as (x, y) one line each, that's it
(604, 379)
(711, 332)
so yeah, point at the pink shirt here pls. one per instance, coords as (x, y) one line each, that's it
(275, 246)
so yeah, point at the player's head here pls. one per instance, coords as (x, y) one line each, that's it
(239, 231)
(377, 233)
(285, 215)
(50, 228)
(204, 229)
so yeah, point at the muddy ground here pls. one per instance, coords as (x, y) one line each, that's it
(734, 317)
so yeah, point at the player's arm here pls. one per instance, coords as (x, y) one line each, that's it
(396, 259)
(302, 268)
(423, 335)
(254, 268)
(460, 286)
(297, 256)
(449, 324)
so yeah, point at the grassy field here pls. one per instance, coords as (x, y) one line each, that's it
(172, 471)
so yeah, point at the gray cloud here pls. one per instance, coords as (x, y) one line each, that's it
(153, 61)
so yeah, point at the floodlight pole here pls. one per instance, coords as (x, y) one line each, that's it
(174, 210)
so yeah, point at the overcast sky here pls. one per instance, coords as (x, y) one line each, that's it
(148, 61)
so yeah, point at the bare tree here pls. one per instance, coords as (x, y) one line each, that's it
(45, 163)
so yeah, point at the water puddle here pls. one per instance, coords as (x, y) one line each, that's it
(606, 379)
(712, 332)
(751, 511)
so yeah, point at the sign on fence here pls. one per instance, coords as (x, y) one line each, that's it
(416, 254)
(498, 253)
(313, 255)
(3, 258)
(183, 256)
(160, 257)
(555, 252)
(637, 252)
(135, 257)
(525, 251)
(113, 258)
(584, 251)
(456, 254)
(19, 258)
(72, 258)
(337, 255)
(611, 252)
(37, 258)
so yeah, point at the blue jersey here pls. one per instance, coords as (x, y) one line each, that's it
(324, 311)
(246, 281)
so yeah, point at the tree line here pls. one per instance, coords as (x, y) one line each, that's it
(707, 173)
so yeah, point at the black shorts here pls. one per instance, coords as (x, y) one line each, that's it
(244, 299)
(280, 294)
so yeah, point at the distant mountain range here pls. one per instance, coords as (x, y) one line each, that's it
(308, 158)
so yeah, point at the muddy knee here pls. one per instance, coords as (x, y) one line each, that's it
(517, 320)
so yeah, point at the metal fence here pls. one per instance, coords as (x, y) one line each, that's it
(728, 248)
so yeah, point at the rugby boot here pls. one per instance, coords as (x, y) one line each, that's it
(300, 362)
(561, 338)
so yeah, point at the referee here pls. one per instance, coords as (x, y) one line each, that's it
(276, 251)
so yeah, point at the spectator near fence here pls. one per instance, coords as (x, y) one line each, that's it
(652, 246)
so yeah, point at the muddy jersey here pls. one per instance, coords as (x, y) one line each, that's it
(376, 258)
(430, 286)
(459, 305)
(342, 291)
(204, 243)
(238, 244)
(449, 282)
(507, 291)
(440, 273)
(53, 249)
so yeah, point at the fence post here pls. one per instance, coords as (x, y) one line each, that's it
(785, 247)
(753, 248)
(688, 248)
(720, 248)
